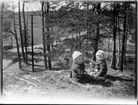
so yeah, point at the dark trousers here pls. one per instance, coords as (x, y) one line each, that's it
(86, 78)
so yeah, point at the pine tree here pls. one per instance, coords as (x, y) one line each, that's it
(25, 33)
(113, 62)
(20, 28)
(32, 43)
(43, 34)
(97, 30)
(16, 39)
(1, 49)
(123, 40)
(48, 35)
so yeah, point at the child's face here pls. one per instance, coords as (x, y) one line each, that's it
(79, 59)
(99, 57)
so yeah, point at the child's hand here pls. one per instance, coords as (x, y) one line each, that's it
(92, 74)
(92, 61)
(92, 65)
(96, 70)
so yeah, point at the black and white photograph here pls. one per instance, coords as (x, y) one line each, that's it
(68, 51)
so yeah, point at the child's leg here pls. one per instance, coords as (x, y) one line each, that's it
(99, 78)
(85, 78)
(70, 74)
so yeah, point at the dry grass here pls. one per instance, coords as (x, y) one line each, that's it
(55, 83)
(58, 82)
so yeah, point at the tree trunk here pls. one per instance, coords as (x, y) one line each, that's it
(123, 43)
(20, 28)
(119, 43)
(87, 25)
(96, 42)
(136, 58)
(11, 42)
(108, 45)
(80, 42)
(1, 50)
(27, 27)
(113, 62)
(52, 38)
(25, 34)
(16, 39)
(32, 43)
(126, 35)
(98, 33)
(72, 43)
(44, 39)
(48, 36)
(76, 47)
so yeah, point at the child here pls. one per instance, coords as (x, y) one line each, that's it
(78, 68)
(100, 65)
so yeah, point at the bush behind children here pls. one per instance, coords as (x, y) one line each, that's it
(78, 72)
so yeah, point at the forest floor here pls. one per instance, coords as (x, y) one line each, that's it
(56, 84)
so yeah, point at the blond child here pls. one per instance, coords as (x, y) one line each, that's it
(100, 65)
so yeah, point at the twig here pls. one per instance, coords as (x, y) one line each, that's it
(26, 81)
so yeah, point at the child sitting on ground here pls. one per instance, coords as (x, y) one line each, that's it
(100, 65)
(78, 72)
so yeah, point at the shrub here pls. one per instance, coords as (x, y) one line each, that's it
(130, 59)
(62, 63)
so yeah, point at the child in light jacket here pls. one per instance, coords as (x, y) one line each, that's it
(100, 65)
(78, 72)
